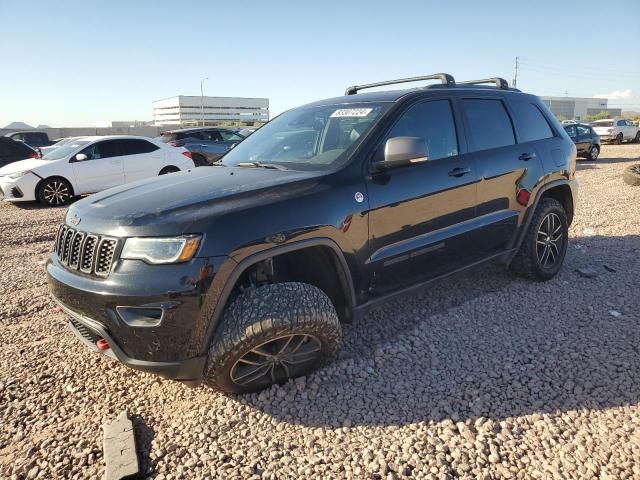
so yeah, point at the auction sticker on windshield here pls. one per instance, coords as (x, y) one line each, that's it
(351, 112)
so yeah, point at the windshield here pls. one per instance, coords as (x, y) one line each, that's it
(307, 138)
(65, 150)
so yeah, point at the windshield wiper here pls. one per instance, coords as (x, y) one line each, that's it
(272, 166)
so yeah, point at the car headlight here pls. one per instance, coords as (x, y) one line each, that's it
(161, 249)
(18, 174)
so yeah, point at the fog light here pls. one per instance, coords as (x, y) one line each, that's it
(140, 316)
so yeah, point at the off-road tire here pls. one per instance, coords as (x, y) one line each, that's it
(48, 185)
(619, 139)
(266, 313)
(526, 263)
(169, 169)
(594, 153)
(631, 175)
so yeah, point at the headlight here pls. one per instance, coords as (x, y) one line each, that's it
(161, 249)
(18, 174)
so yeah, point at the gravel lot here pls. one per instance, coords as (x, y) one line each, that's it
(482, 376)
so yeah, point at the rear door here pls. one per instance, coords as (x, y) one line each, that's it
(101, 170)
(140, 158)
(583, 140)
(502, 165)
(420, 223)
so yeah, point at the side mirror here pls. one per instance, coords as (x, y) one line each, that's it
(80, 157)
(399, 151)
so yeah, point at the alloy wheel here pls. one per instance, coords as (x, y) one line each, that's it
(594, 153)
(276, 360)
(56, 193)
(549, 241)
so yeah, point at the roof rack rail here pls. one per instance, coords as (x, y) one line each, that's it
(499, 82)
(445, 78)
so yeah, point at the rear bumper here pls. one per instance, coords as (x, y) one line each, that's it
(89, 331)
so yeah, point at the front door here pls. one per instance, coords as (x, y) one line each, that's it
(421, 215)
(102, 168)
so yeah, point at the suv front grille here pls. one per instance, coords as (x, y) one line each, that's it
(85, 252)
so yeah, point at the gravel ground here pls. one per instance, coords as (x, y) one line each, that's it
(482, 376)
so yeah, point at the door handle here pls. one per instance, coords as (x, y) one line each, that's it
(459, 171)
(525, 157)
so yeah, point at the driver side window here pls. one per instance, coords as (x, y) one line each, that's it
(433, 122)
(105, 149)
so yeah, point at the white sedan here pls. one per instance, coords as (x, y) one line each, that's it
(89, 165)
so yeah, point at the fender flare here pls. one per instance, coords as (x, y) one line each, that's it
(529, 215)
(230, 280)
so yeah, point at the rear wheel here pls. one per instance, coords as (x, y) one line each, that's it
(270, 334)
(594, 153)
(619, 139)
(54, 192)
(544, 246)
(637, 137)
(170, 169)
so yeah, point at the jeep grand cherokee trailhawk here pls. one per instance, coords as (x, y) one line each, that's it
(240, 274)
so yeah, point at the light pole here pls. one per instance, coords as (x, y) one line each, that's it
(202, 100)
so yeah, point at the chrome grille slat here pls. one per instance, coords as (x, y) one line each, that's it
(86, 252)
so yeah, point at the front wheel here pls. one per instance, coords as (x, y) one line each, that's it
(544, 246)
(54, 192)
(270, 334)
(619, 139)
(637, 137)
(594, 153)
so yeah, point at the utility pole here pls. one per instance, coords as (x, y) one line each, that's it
(515, 75)
(202, 100)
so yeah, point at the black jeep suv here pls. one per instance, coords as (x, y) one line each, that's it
(241, 274)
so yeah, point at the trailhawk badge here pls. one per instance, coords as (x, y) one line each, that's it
(75, 220)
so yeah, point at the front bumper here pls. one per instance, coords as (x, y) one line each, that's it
(22, 189)
(89, 332)
(172, 347)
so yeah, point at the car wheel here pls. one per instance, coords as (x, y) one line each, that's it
(270, 334)
(54, 192)
(619, 139)
(637, 137)
(631, 175)
(167, 170)
(594, 153)
(545, 243)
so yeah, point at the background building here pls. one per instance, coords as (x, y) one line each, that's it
(186, 111)
(578, 107)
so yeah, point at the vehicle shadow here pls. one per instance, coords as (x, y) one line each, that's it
(485, 344)
(143, 437)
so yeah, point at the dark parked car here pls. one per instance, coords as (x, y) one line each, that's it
(206, 145)
(13, 150)
(242, 274)
(33, 139)
(587, 141)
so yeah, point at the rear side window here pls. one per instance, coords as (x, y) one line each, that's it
(488, 123)
(583, 130)
(622, 123)
(433, 122)
(136, 147)
(571, 131)
(228, 136)
(531, 123)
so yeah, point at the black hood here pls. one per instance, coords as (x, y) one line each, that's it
(184, 202)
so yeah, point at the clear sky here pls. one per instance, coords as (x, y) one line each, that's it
(77, 63)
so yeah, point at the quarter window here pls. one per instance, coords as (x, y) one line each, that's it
(228, 136)
(433, 122)
(531, 123)
(488, 123)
